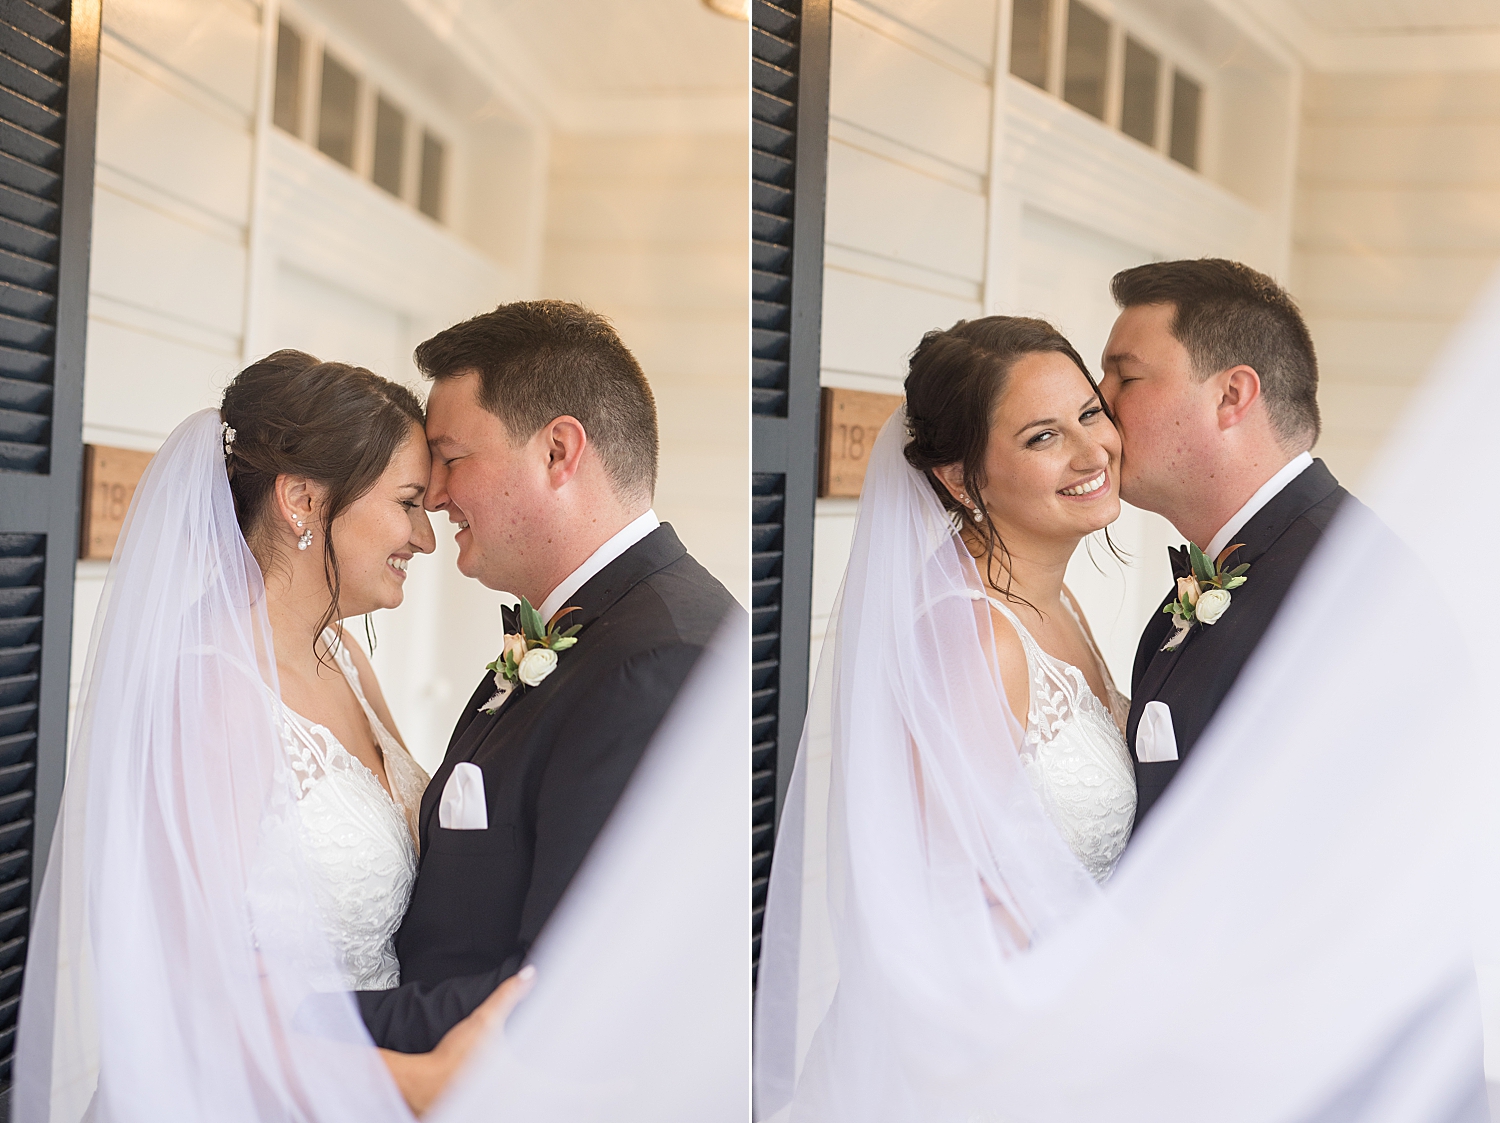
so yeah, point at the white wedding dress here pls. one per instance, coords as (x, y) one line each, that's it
(1074, 753)
(360, 841)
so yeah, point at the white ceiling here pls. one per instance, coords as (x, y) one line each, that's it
(629, 46)
(579, 65)
(1401, 17)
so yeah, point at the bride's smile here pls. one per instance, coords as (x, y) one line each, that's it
(1089, 489)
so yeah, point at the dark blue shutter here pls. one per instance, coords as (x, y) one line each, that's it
(789, 160)
(49, 65)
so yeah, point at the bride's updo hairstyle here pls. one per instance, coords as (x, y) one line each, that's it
(953, 383)
(334, 424)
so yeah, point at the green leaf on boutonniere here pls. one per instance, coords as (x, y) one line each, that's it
(1239, 570)
(1234, 582)
(562, 643)
(1201, 567)
(532, 625)
(573, 631)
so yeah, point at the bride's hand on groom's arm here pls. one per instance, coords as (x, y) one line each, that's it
(422, 1077)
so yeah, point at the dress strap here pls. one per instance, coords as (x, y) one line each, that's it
(1088, 638)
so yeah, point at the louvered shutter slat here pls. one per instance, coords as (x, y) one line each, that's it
(48, 108)
(31, 51)
(36, 20)
(788, 139)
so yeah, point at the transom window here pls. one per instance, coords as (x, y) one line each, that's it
(1094, 64)
(356, 124)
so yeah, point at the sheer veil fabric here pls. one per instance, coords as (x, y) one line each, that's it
(177, 936)
(178, 959)
(1291, 936)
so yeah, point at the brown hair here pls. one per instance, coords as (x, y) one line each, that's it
(334, 424)
(1227, 314)
(542, 359)
(955, 379)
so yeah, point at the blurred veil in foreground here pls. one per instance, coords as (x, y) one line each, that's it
(177, 962)
(1292, 934)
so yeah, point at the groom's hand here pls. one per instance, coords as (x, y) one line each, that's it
(423, 1077)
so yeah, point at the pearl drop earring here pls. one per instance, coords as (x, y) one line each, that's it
(304, 540)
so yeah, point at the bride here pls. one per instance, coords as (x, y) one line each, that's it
(978, 783)
(1009, 427)
(235, 752)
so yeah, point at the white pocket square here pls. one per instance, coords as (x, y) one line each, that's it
(462, 806)
(1154, 740)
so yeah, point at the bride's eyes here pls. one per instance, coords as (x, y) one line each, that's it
(410, 504)
(1090, 414)
(1044, 435)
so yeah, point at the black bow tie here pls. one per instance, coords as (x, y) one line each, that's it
(1182, 563)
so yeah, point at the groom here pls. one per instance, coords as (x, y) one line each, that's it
(1212, 379)
(544, 444)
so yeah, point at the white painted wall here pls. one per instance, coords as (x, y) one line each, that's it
(219, 238)
(651, 232)
(952, 194)
(1397, 228)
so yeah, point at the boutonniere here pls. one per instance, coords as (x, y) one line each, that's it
(529, 655)
(1203, 596)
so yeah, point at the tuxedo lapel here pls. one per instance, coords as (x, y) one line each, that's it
(1311, 487)
(657, 550)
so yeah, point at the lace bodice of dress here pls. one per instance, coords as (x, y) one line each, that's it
(1075, 755)
(361, 842)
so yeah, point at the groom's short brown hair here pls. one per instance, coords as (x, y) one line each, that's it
(1227, 315)
(542, 359)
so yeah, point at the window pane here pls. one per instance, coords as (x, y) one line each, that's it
(287, 111)
(430, 198)
(390, 146)
(336, 111)
(1138, 108)
(1087, 59)
(1029, 40)
(1187, 97)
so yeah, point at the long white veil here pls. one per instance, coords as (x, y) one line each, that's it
(1290, 936)
(176, 955)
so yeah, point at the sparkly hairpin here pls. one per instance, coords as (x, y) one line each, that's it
(228, 441)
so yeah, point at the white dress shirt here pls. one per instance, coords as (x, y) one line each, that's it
(632, 533)
(1268, 491)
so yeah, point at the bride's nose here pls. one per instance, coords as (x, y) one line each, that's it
(1090, 453)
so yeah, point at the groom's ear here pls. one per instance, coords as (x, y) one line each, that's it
(1239, 390)
(565, 441)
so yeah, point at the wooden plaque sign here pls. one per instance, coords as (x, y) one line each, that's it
(851, 419)
(109, 479)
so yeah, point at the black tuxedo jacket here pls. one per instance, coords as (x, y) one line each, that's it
(1194, 679)
(555, 758)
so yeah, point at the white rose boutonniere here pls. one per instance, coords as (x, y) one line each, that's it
(1203, 597)
(537, 664)
(527, 657)
(1211, 605)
